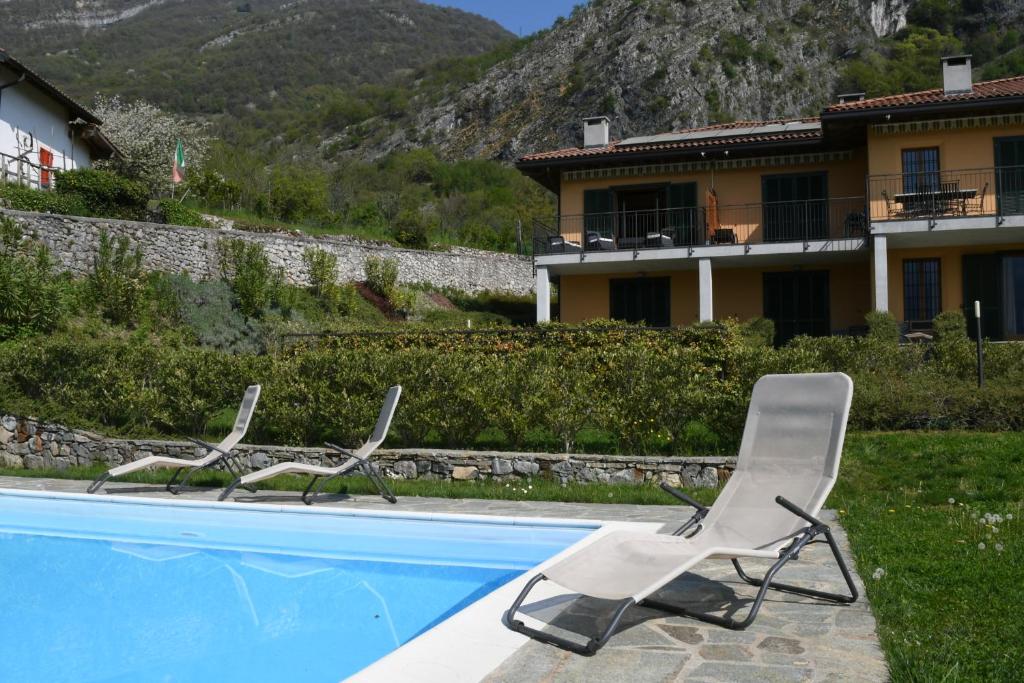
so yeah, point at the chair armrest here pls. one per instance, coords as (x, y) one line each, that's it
(683, 497)
(798, 512)
(208, 446)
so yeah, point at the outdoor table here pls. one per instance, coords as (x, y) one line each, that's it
(927, 201)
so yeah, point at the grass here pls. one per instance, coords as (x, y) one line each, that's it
(947, 609)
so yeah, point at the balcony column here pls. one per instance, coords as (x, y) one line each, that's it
(880, 273)
(704, 270)
(543, 289)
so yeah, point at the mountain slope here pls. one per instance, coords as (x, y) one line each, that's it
(219, 56)
(656, 65)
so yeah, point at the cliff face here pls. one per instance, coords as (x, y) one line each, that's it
(652, 66)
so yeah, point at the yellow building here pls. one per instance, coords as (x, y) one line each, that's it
(912, 204)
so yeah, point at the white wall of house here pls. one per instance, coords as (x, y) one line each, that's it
(31, 120)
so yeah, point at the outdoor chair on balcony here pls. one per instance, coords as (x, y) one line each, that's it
(357, 459)
(215, 455)
(724, 236)
(855, 225)
(657, 239)
(559, 245)
(787, 464)
(976, 206)
(892, 209)
(597, 242)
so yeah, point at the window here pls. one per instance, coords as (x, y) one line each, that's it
(922, 291)
(798, 303)
(641, 299)
(795, 206)
(921, 170)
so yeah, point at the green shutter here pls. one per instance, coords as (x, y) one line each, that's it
(597, 209)
(682, 215)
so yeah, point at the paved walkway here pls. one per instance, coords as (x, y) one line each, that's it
(793, 639)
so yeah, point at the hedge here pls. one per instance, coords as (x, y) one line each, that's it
(618, 390)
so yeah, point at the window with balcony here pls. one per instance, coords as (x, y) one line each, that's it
(921, 170)
(641, 299)
(922, 290)
(795, 206)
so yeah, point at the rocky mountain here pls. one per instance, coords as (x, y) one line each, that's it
(653, 66)
(214, 57)
(660, 65)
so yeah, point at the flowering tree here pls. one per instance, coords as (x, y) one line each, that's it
(147, 137)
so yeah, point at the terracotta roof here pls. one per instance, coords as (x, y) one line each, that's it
(724, 139)
(986, 90)
(77, 110)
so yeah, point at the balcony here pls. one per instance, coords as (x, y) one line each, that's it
(742, 224)
(934, 195)
(20, 171)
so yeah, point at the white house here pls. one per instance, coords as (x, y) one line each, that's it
(42, 130)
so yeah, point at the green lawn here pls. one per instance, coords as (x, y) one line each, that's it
(947, 606)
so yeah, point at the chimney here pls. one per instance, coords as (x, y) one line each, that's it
(595, 131)
(846, 98)
(956, 75)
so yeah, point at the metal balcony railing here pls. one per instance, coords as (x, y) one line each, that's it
(931, 195)
(795, 221)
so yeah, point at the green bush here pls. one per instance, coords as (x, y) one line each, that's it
(105, 193)
(758, 331)
(882, 326)
(323, 282)
(42, 201)
(382, 276)
(411, 229)
(117, 282)
(247, 269)
(32, 299)
(595, 388)
(174, 212)
(206, 310)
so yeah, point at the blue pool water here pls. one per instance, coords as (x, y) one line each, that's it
(107, 590)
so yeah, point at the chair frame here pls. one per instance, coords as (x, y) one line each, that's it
(802, 538)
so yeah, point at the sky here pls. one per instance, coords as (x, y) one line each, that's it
(518, 16)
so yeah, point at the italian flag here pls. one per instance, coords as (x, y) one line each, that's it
(178, 173)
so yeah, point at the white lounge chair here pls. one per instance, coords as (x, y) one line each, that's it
(787, 464)
(216, 455)
(359, 458)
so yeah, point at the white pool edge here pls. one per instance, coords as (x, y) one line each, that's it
(474, 642)
(463, 648)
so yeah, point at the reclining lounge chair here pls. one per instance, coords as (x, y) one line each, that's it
(359, 458)
(215, 455)
(787, 464)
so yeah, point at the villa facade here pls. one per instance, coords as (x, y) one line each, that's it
(912, 204)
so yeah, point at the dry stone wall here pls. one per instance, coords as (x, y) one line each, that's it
(74, 242)
(29, 443)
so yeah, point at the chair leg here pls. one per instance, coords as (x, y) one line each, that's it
(231, 487)
(592, 645)
(766, 584)
(98, 483)
(809, 592)
(378, 481)
(174, 478)
(306, 498)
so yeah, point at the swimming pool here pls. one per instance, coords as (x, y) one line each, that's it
(122, 589)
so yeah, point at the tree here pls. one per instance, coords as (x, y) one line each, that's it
(147, 137)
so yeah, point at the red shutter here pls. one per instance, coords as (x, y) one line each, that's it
(45, 163)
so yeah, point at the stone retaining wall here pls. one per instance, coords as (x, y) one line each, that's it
(74, 242)
(29, 443)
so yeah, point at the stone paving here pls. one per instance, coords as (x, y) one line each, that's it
(793, 639)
